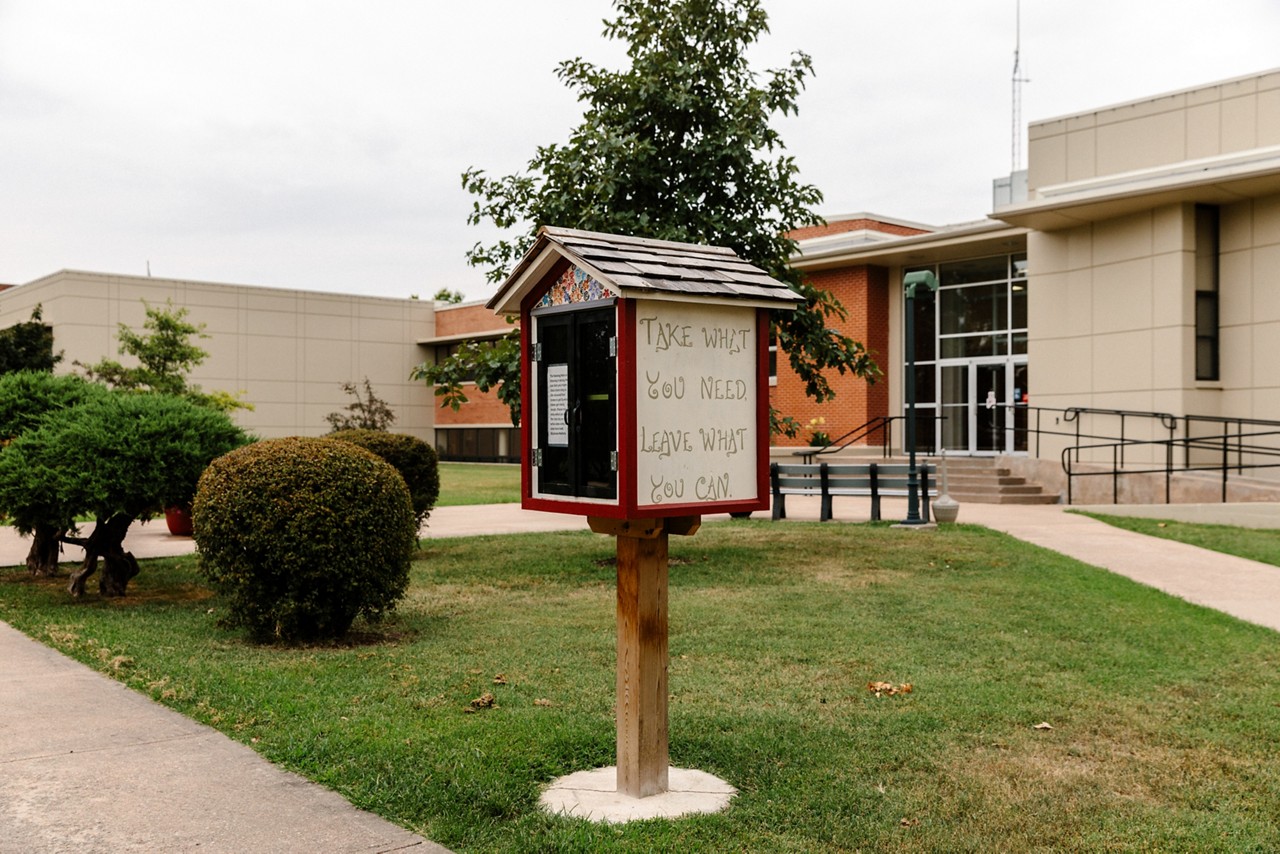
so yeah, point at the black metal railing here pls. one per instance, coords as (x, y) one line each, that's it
(1072, 421)
(1260, 448)
(1106, 437)
(882, 423)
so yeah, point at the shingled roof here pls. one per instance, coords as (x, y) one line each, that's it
(639, 268)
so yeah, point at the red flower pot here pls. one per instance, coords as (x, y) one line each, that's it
(179, 520)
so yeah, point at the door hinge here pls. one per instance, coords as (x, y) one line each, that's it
(613, 460)
(537, 351)
(537, 456)
(613, 345)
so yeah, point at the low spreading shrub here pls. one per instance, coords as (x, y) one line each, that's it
(413, 458)
(303, 536)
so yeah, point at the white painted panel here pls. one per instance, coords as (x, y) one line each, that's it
(695, 403)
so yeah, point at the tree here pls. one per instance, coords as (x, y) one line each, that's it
(117, 457)
(27, 400)
(28, 346)
(678, 146)
(449, 297)
(166, 357)
(367, 413)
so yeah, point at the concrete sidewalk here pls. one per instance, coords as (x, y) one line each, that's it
(87, 765)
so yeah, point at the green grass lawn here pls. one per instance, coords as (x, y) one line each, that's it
(1261, 544)
(478, 483)
(1165, 716)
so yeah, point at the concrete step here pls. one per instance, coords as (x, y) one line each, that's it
(981, 480)
(975, 493)
(1001, 479)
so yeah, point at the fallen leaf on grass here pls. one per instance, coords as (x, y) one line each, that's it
(888, 689)
(484, 701)
(542, 701)
(909, 822)
(500, 679)
(1043, 725)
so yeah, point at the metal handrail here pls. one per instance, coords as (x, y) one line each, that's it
(1072, 415)
(880, 422)
(1226, 422)
(862, 431)
(1222, 444)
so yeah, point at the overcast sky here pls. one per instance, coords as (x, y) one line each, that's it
(317, 144)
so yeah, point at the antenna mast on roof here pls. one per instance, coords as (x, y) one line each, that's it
(1018, 80)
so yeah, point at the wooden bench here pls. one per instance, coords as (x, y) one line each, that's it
(829, 480)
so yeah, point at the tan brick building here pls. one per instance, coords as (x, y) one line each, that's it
(286, 352)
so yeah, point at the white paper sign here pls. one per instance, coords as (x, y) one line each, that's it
(558, 406)
(695, 403)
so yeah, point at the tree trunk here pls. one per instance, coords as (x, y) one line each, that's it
(46, 547)
(106, 541)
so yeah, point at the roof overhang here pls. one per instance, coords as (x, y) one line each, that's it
(987, 237)
(1218, 180)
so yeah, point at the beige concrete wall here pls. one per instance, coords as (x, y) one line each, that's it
(286, 352)
(1111, 319)
(1231, 116)
(1112, 310)
(1112, 302)
(1249, 309)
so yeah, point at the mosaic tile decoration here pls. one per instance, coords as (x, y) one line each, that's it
(574, 286)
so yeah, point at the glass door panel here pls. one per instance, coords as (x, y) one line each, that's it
(1021, 400)
(955, 407)
(984, 406)
(555, 475)
(989, 435)
(577, 390)
(596, 426)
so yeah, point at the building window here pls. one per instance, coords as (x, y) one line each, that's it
(478, 444)
(1207, 330)
(773, 358)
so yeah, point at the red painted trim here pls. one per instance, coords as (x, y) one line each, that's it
(626, 365)
(658, 511)
(576, 508)
(702, 508)
(526, 408)
(762, 407)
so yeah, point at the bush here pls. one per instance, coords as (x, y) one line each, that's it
(115, 456)
(304, 535)
(413, 458)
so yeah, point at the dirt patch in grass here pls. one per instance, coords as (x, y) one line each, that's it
(173, 594)
(1109, 768)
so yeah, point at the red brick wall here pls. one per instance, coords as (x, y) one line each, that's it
(480, 408)
(842, 225)
(864, 292)
(459, 320)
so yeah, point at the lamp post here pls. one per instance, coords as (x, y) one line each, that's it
(911, 281)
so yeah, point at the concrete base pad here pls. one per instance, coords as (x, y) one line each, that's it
(594, 795)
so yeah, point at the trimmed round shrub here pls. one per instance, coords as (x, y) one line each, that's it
(303, 536)
(413, 458)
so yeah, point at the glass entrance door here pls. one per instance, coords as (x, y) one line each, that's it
(983, 406)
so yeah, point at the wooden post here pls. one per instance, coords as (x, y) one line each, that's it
(643, 757)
